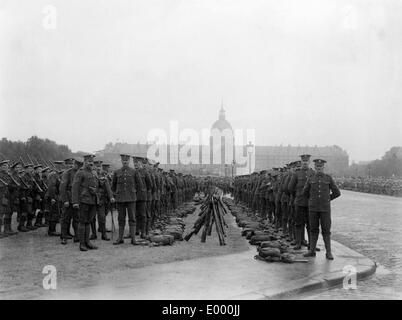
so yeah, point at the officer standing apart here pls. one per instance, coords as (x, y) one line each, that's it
(320, 189)
(68, 213)
(84, 198)
(124, 186)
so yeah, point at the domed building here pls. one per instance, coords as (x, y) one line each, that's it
(221, 124)
(221, 145)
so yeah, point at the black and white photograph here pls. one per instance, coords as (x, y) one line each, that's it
(209, 151)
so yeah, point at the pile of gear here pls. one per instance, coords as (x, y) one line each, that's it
(272, 245)
(169, 229)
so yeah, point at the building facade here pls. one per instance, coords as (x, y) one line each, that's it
(256, 158)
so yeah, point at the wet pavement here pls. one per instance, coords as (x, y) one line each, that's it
(372, 225)
(23, 257)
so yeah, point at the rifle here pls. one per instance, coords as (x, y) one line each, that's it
(37, 186)
(14, 181)
(3, 182)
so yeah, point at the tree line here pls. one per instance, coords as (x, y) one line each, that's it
(390, 165)
(35, 147)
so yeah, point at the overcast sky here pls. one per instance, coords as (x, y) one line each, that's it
(316, 72)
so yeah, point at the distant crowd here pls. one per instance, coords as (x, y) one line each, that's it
(386, 186)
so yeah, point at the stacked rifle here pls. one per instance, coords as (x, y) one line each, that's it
(212, 213)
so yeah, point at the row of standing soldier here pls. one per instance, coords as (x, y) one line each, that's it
(81, 191)
(294, 198)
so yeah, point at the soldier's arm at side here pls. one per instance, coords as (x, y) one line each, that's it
(114, 182)
(335, 192)
(63, 187)
(76, 187)
(109, 190)
(292, 184)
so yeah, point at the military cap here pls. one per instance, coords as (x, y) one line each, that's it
(263, 171)
(28, 165)
(297, 163)
(78, 161)
(275, 169)
(160, 169)
(319, 162)
(156, 164)
(38, 166)
(98, 163)
(305, 156)
(125, 156)
(45, 169)
(58, 162)
(105, 165)
(171, 170)
(69, 160)
(137, 159)
(88, 157)
(4, 162)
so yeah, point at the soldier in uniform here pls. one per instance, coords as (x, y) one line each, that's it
(39, 198)
(143, 196)
(301, 202)
(173, 189)
(104, 194)
(52, 197)
(15, 194)
(45, 174)
(68, 213)
(84, 197)
(320, 189)
(125, 186)
(106, 174)
(5, 208)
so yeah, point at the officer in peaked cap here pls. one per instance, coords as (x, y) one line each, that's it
(68, 213)
(84, 199)
(142, 196)
(125, 186)
(296, 184)
(320, 189)
(69, 162)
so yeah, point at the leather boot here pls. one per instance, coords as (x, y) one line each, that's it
(93, 229)
(39, 220)
(7, 227)
(21, 224)
(311, 252)
(81, 236)
(46, 218)
(143, 229)
(298, 238)
(103, 232)
(29, 224)
(87, 242)
(121, 235)
(52, 229)
(75, 227)
(132, 233)
(2, 234)
(328, 253)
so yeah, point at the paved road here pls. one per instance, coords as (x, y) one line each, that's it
(372, 225)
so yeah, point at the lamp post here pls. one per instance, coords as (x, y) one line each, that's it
(233, 165)
(249, 152)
